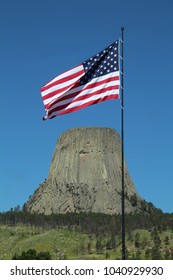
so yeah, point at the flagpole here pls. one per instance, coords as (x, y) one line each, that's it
(122, 139)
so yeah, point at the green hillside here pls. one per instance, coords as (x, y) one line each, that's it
(60, 243)
(149, 235)
(66, 244)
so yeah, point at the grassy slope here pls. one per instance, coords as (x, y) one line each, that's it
(69, 244)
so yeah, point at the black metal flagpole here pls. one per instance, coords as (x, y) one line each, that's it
(122, 139)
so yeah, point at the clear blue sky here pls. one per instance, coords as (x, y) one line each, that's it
(42, 38)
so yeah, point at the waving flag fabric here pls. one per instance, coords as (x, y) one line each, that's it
(93, 81)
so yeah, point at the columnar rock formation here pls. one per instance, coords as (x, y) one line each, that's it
(85, 175)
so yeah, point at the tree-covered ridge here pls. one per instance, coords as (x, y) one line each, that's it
(91, 223)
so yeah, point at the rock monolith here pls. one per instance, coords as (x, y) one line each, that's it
(85, 175)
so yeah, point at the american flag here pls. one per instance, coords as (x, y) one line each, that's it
(95, 80)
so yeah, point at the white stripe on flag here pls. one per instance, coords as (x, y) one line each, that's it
(84, 90)
(84, 93)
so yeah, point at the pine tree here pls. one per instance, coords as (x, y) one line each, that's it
(137, 240)
(166, 240)
(167, 254)
(99, 246)
(148, 254)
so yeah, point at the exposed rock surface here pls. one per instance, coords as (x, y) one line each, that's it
(85, 175)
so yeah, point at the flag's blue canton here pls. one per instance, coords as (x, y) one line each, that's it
(101, 64)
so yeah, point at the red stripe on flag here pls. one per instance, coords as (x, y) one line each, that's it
(62, 80)
(72, 100)
(70, 110)
(89, 103)
(77, 89)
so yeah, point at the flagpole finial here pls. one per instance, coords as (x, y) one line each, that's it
(122, 28)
